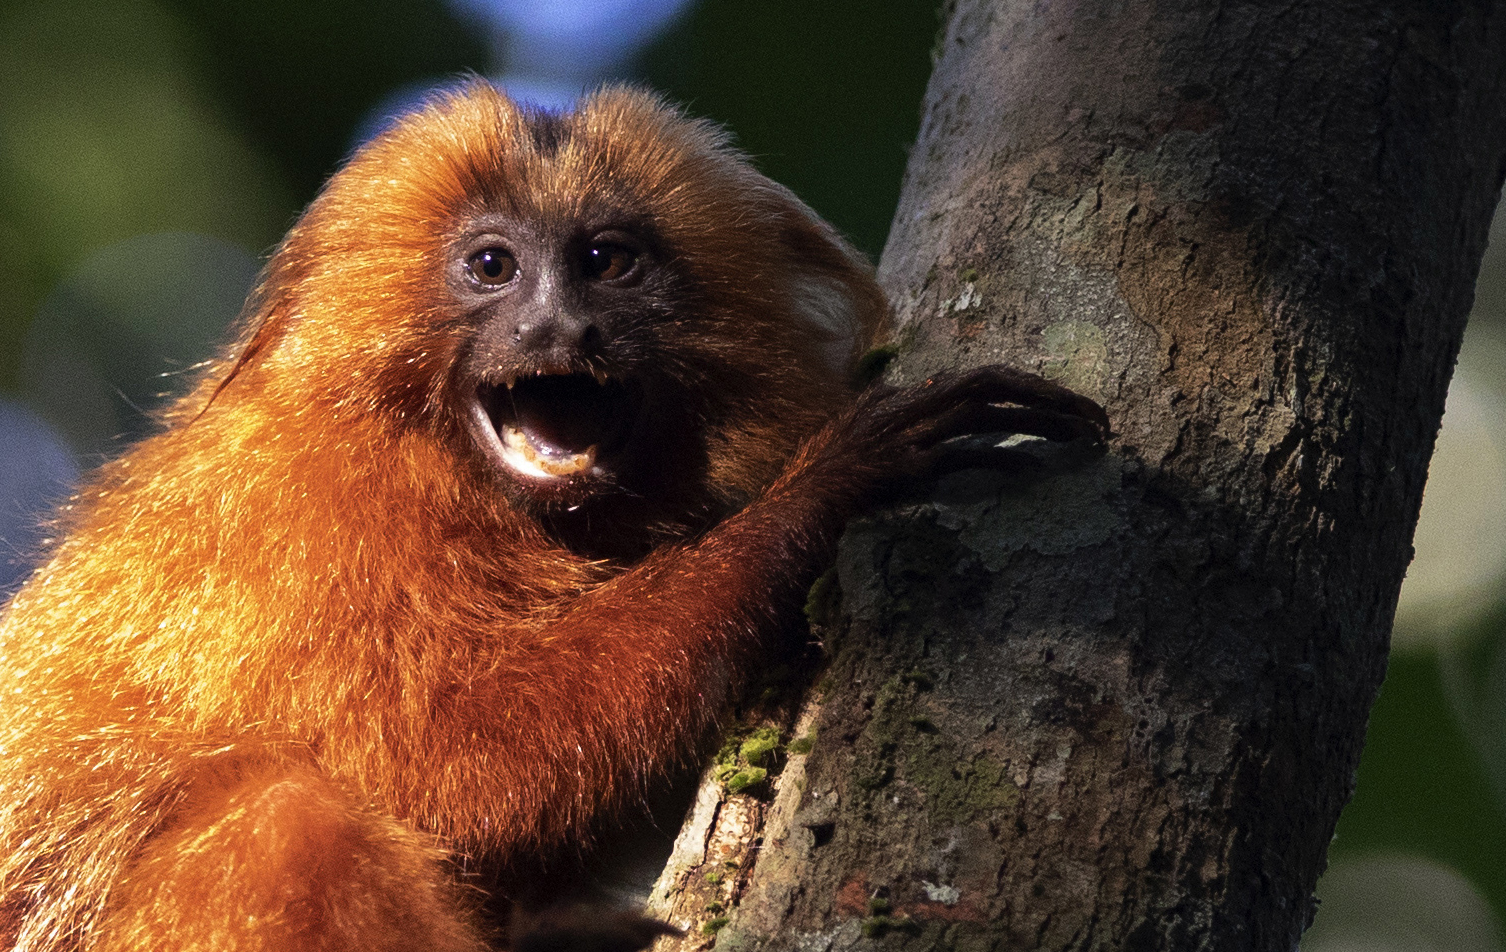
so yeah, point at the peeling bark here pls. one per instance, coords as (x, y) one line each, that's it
(1120, 706)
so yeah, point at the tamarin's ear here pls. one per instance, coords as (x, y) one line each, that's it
(833, 287)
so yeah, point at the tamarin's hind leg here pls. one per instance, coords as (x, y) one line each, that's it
(285, 860)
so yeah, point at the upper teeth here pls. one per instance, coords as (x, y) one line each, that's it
(597, 374)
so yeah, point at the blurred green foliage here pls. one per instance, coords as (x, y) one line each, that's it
(106, 133)
(1425, 786)
(133, 116)
(300, 77)
(825, 96)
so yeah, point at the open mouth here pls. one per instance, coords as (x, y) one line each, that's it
(550, 426)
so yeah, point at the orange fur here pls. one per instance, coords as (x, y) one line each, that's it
(305, 640)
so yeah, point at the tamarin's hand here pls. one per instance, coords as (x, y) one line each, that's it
(906, 430)
(537, 429)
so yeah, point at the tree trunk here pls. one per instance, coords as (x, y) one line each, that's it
(1121, 706)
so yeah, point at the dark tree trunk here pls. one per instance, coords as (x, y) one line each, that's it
(1121, 706)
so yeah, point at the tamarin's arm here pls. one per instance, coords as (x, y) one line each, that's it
(654, 647)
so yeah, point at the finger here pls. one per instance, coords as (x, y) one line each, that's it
(980, 418)
(998, 384)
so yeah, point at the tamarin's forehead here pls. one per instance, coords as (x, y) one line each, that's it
(475, 150)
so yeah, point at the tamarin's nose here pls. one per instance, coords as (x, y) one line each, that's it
(561, 332)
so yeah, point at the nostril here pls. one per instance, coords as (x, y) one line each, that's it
(590, 338)
(535, 335)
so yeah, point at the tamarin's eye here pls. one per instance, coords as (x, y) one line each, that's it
(491, 267)
(607, 262)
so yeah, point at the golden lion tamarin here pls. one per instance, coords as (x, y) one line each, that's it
(538, 426)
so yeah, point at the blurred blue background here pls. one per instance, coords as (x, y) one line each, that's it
(153, 151)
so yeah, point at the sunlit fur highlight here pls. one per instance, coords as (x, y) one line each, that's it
(296, 646)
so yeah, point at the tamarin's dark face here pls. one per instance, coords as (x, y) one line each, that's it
(607, 307)
(553, 397)
(562, 381)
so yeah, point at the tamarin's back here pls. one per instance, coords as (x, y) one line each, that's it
(538, 424)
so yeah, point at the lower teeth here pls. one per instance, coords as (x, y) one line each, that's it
(521, 455)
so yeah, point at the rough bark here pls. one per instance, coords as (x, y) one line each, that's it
(1120, 706)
